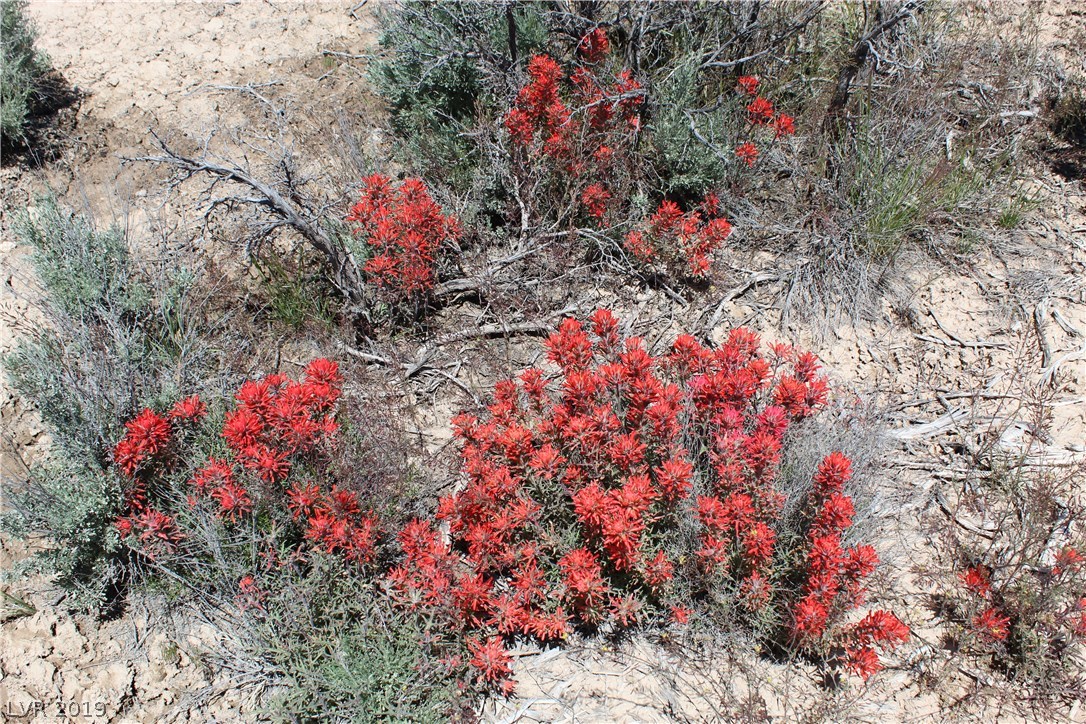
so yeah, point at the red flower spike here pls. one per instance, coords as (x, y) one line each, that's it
(658, 571)
(243, 429)
(863, 662)
(784, 125)
(325, 372)
(128, 456)
(809, 618)
(1068, 559)
(760, 110)
(594, 46)
(833, 473)
(189, 410)
(490, 659)
(303, 500)
(148, 432)
(234, 501)
(680, 614)
(755, 592)
(993, 624)
(977, 580)
(747, 152)
(674, 478)
(883, 628)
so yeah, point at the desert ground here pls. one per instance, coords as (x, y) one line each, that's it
(948, 374)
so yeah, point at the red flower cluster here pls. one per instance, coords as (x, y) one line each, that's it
(405, 228)
(992, 623)
(594, 199)
(574, 482)
(834, 575)
(144, 447)
(760, 113)
(582, 137)
(250, 595)
(673, 236)
(747, 153)
(276, 421)
(334, 522)
(146, 437)
(594, 47)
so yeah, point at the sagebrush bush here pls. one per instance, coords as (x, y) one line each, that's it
(116, 335)
(342, 652)
(22, 70)
(114, 331)
(441, 70)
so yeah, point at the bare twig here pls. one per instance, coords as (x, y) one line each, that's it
(344, 272)
(735, 292)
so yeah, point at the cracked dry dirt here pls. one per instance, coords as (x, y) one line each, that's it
(143, 65)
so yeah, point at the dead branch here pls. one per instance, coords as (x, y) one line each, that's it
(856, 60)
(427, 351)
(1039, 313)
(487, 330)
(1049, 372)
(736, 292)
(930, 429)
(345, 275)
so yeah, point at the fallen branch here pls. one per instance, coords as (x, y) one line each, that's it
(345, 275)
(1049, 372)
(982, 344)
(930, 429)
(427, 351)
(487, 330)
(736, 292)
(1039, 313)
(958, 340)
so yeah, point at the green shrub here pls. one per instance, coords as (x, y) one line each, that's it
(117, 336)
(345, 654)
(22, 71)
(443, 67)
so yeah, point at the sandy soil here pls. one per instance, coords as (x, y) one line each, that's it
(152, 65)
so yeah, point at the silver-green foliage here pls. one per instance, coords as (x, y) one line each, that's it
(21, 72)
(115, 338)
(346, 654)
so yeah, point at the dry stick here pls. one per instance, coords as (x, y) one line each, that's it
(961, 342)
(751, 281)
(1067, 326)
(929, 429)
(1039, 312)
(487, 330)
(832, 119)
(986, 530)
(1048, 375)
(426, 352)
(344, 274)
